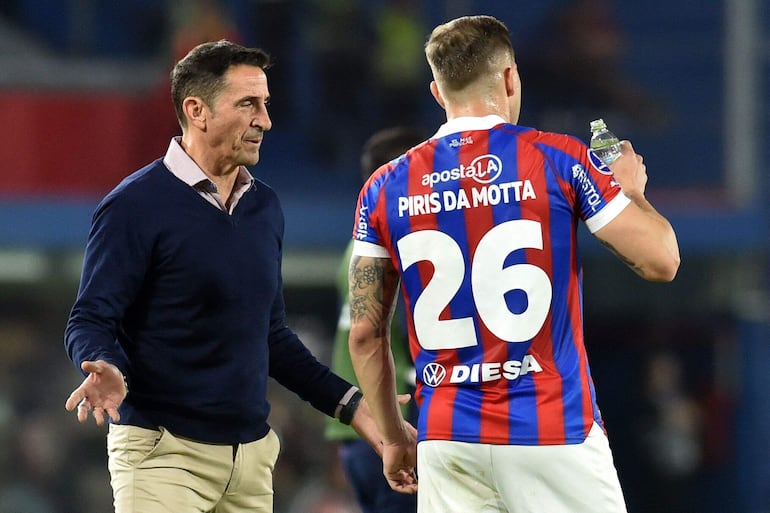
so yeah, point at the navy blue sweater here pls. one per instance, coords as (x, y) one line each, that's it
(187, 301)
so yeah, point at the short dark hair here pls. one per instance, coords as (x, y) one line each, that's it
(387, 144)
(465, 49)
(201, 72)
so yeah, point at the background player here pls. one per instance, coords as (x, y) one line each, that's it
(479, 224)
(362, 465)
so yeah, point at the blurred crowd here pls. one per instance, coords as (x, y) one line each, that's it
(343, 67)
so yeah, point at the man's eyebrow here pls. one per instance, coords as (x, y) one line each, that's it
(253, 98)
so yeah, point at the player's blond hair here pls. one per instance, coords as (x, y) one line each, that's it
(467, 50)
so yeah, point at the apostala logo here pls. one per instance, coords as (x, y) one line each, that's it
(483, 169)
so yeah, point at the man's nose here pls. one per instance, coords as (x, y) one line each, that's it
(263, 121)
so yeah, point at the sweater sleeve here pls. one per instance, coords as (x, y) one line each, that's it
(294, 366)
(114, 266)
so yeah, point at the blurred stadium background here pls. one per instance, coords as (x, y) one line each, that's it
(681, 369)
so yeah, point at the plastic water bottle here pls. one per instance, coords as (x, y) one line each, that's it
(605, 144)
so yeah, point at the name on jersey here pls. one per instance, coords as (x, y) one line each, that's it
(434, 373)
(446, 201)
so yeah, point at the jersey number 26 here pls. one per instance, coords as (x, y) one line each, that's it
(490, 282)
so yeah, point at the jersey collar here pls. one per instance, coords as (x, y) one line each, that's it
(465, 123)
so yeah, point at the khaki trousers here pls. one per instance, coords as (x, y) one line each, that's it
(157, 472)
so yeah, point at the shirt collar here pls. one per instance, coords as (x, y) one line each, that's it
(183, 167)
(465, 123)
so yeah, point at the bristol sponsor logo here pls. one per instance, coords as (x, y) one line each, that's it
(589, 190)
(483, 169)
(434, 373)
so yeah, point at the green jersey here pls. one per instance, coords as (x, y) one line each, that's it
(341, 362)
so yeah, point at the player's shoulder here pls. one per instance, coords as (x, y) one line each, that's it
(398, 167)
(410, 156)
(554, 144)
(551, 139)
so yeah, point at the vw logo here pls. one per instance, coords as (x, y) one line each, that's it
(433, 374)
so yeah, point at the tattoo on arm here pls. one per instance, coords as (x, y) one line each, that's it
(373, 283)
(636, 268)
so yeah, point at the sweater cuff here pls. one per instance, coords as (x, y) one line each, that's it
(345, 400)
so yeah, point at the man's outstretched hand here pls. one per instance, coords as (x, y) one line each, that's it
(102, 392)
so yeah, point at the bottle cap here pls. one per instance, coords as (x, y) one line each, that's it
(598, 124)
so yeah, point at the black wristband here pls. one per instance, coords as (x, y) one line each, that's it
(347, 411)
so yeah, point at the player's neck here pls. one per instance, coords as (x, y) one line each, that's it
(478, 108)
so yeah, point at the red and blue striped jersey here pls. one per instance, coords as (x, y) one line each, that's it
(481, 221)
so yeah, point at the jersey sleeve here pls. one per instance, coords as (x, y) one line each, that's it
(367, 234)
(367, 249)
(599, 196)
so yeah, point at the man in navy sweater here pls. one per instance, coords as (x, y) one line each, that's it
(179, 319)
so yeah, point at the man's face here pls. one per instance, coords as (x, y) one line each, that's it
(239, 117)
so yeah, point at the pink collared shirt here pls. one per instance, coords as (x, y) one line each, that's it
(183, 167)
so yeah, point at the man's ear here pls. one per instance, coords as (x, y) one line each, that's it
(195, 111)
(436, 94)
(511, 80)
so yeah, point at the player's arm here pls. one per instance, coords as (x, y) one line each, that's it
(373, 286)
(639, 235)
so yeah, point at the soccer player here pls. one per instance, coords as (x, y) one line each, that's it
(478, 224)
